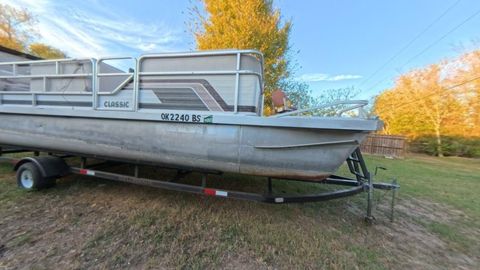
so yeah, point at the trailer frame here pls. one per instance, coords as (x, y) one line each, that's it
(53, 166)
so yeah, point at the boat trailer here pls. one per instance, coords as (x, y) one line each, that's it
(41, 171)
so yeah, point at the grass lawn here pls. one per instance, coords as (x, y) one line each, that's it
(89, 223)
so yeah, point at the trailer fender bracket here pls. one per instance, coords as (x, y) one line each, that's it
(49, 166)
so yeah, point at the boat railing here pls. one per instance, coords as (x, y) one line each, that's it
(117, 73)
(29, 78)
(21, 72)
(338, 112)
(112, 72)
(238, 71)
(15, 72)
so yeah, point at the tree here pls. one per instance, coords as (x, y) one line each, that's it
(16, 27)
(250, 24)
(329, 96)
(17, 30)
(468, 79)
(420, 104)
(298, 93)
(45, 51)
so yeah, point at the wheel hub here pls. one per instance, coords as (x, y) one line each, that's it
(27, 179)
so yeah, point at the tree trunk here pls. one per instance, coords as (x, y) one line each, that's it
(439, 142)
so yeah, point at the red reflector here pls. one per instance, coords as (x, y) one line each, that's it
(209, 191)
(83, 171)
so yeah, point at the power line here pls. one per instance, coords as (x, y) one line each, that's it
(380, 81)
(435, 93)
(431, 45)
(462, 83)
(409, 43)
(441, 38)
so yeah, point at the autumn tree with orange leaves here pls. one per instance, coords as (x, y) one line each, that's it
(469, 72)
(45, 51)
(251, 24)
(17, 29)
(438, 100)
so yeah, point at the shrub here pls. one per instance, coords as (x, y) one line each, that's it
(451, 146)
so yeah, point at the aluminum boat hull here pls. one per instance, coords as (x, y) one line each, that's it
(283, 152)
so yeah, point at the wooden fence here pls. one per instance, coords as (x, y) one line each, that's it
(384, 145)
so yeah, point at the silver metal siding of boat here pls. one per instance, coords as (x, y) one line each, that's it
(228, 148)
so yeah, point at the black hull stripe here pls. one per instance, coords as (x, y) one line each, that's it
(16, 102)
(49, 103)
(184, 106)
(187, 107)
(65, 103)
(172, 106)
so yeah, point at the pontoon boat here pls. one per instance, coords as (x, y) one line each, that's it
(196, 109)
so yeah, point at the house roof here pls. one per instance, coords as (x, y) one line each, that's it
(22, 54)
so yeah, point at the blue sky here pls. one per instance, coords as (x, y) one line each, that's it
(340, 43)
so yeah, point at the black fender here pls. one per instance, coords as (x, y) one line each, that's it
(49, 166)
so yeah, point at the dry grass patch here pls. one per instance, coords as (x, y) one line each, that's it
(88, 223)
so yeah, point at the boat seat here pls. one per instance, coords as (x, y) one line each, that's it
(281, 103)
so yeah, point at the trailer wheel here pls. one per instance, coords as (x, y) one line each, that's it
(29, 177)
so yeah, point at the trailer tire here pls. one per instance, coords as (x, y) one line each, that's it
(29, 177)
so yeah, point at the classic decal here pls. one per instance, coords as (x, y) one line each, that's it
(116, 104)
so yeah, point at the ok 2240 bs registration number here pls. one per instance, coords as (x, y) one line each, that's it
(180, 117)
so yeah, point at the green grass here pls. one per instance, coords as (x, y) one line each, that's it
(5, 168)
(449, 181)
(452, 181)
(452, 235)
(115, 225)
